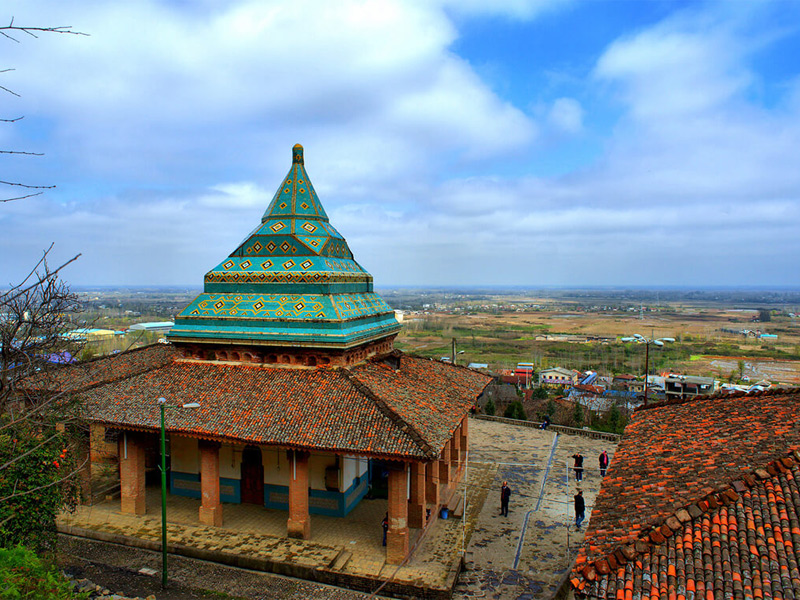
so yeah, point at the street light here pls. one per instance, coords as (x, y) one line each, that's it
(640, 339)
(162, 402)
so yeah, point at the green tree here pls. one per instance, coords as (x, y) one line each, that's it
(577, 415)
(764, 315)
(741, 368)
(490, 408)
(515, 410)
(539, 393)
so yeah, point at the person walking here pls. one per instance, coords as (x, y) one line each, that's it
(578, 466)
(505, 494)
(603, 463)
(385, 525)
(580, 510)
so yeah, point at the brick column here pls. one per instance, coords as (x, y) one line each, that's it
(416, 504)
(299, 523)
(432, 484)
(455, 457)
(397, 536)
(464, 438)
(131, 474)
(444, 467)
(210, 507)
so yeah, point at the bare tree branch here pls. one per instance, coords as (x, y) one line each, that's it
(30, 187)
(32, 31)
(20, 151)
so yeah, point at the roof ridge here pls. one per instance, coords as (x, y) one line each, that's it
(658, 533)
(389, 413)
(787, 391)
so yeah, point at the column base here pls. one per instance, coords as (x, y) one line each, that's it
(133, 506)
(396, 546)
(211, 515)
(299, 529)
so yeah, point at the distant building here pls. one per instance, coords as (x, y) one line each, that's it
(158, 326)
(688, 386)
(558, 376)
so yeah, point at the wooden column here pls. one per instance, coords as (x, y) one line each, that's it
(210, 507)
(416, 504)
(432, 484)
(131, 473)
(299, 523)
(444, 468)
(455, 457)
(397, 536)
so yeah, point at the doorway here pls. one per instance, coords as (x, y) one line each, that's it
(252, 479)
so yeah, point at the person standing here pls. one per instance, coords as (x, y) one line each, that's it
(603, 463)
(580, 509)
(505, 494)
(578, 466)
(385, 525)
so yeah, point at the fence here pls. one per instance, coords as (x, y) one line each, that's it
(587, 433)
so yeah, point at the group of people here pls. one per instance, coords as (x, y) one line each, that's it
(580, 503)
(578, 464)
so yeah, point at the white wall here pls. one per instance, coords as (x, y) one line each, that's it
(184, 455)
(276, 466)
(317, 463)
(230, 461)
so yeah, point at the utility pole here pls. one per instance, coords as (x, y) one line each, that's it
(454, 351)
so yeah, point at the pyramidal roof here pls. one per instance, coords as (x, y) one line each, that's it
(291, 282)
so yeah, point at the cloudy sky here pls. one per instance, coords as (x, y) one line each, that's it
(452, 142)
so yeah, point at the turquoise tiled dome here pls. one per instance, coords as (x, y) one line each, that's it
(292, 281)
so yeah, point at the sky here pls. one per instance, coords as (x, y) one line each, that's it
(452, 142)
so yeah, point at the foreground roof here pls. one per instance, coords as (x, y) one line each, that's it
(292, 281)
(396, 406)
(702, 500)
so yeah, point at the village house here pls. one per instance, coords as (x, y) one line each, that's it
(701, 501)
(558, 376)
(303, 404)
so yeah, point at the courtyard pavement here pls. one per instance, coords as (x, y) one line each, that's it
(526, 554)
(503, 562)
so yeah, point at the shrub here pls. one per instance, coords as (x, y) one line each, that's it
(24, 575)
(35, 483)
(490, 408)
(516, 411)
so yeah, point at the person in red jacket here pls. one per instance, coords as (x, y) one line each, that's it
(603, 463)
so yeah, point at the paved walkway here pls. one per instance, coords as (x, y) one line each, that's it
(521, 456)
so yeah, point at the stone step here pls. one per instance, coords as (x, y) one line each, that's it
(341, 560)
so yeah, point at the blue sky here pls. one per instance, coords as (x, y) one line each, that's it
(452, 142)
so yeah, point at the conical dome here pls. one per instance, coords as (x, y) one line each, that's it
(291, 282)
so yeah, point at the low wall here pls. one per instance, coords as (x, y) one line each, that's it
(587, 433)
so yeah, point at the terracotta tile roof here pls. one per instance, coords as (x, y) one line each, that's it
(683, 469)
(370, 409)
(104, 370)
(743, 544)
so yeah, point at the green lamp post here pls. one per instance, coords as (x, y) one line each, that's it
(162, 402)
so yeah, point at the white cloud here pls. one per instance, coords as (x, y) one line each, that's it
(566, 115)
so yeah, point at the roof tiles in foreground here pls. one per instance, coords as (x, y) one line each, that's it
(701, 501)
(368, 409)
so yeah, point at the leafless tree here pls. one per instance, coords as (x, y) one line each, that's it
(11, 32)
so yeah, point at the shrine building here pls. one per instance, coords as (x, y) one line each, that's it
(304, 405)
